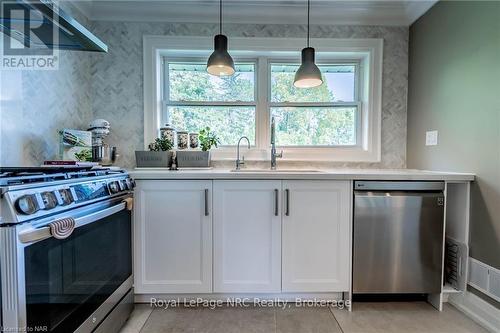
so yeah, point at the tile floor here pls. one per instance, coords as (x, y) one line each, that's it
(415, 317)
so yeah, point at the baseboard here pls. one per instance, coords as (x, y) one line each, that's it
(246, 297)
(477, 309)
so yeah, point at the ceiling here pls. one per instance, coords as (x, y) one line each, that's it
(367, 12)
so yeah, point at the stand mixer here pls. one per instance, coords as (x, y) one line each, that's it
(101, 152)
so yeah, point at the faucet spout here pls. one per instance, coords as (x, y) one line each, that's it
(242, 161)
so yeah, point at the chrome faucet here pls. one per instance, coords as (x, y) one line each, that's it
(242, 161)
(274, 155)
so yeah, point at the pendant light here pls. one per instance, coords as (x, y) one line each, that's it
(308, 75)
(220, 62)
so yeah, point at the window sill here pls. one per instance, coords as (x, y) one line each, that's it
(350, 154)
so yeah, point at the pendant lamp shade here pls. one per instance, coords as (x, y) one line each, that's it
(308, 75)
(220, 62)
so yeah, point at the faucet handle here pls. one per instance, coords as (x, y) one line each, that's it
(240, 162)
(280, 155)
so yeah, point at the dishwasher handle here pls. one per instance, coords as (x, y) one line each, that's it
(398, 186)
(395, 194)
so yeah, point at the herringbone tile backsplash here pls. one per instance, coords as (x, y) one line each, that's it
(110, 86)
(117, 91)
(35, 104)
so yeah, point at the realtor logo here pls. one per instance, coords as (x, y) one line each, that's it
(28, 36)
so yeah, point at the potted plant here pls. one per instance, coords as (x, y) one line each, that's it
(199, 158)
(159, 154)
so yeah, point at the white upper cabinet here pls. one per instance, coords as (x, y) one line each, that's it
(173, 236)
(316, 236)
(247, 236)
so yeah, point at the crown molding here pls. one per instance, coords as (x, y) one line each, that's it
(368, 12)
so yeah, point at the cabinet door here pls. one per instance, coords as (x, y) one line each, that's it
(316, 243)
(247, 236)
(173, 236)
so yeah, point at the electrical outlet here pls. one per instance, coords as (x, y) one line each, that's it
(431, 138)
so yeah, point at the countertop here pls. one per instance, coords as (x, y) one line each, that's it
(309, 174)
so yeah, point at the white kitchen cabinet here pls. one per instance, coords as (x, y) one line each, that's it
(173, 236)
(316, 236)
(247, 236)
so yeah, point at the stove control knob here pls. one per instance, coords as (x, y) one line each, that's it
(66, 196)
(114, 187)
(49, 200)
(27, 204)
(128, 182)
(132, 182)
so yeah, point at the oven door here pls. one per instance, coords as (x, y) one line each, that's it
(71, 284)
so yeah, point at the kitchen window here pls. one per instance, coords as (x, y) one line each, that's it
(325, 116)
(196, 99)
(338, 121)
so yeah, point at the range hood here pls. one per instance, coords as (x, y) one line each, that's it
(51, 27)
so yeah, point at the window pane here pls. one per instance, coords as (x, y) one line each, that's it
(307, 126)
(229, 123)
(191, 82)
(338, 84)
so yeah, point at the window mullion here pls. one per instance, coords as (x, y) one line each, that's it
(165, 115)
(209, 103)
(262, 112)
(314, 104)
(359, 124)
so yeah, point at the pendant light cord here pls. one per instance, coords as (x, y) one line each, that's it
(220, 17)
(308, 19)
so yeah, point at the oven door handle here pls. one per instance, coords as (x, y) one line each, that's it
(38, 234)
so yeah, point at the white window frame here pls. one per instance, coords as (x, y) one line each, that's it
(187, 58)
(358, 91)
(368, 52)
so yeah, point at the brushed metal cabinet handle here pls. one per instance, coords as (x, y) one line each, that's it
(206, 202)
(287, 208)
(276, 202)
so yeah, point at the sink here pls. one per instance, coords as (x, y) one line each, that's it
(276, 171)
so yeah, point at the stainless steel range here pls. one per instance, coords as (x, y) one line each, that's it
(65, 249)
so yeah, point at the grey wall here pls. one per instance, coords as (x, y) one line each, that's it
(117, 91)
(35, 104)
(454, 87)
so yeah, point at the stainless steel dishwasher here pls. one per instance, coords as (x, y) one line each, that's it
(398, 237)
